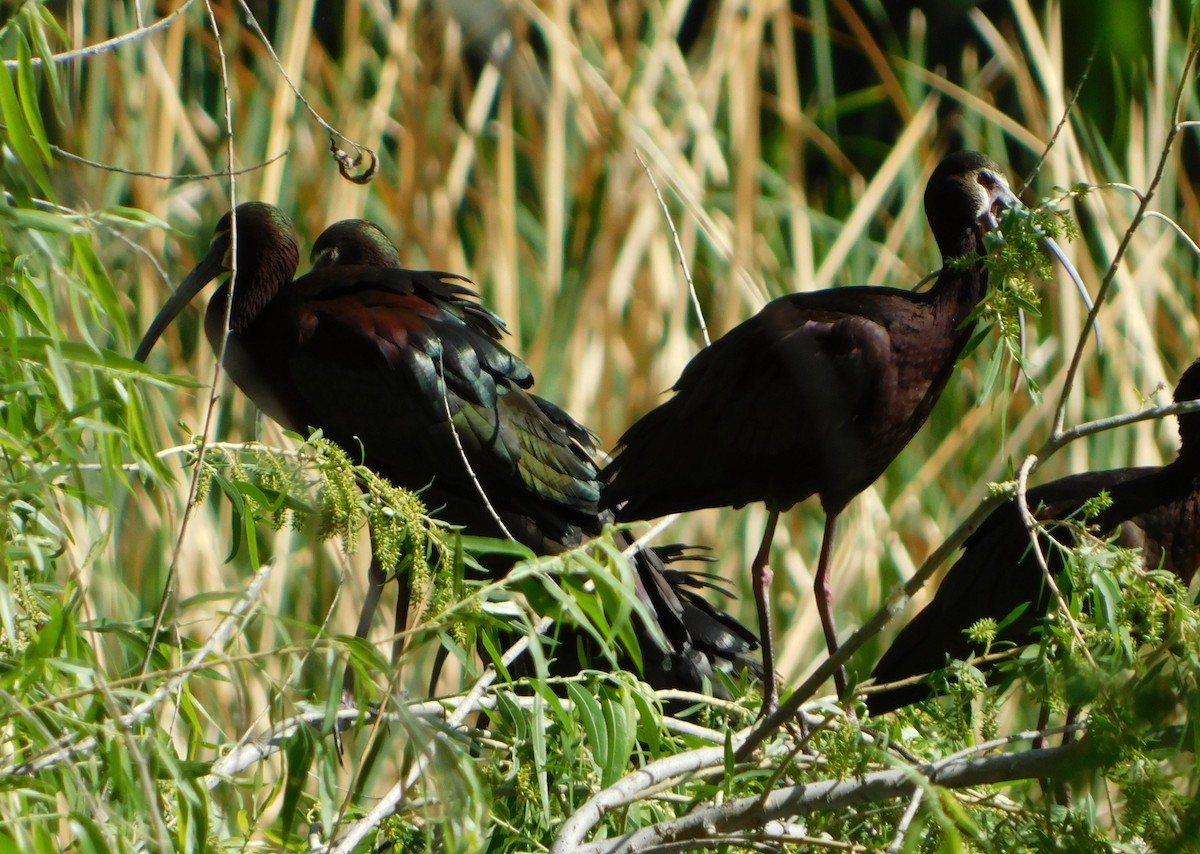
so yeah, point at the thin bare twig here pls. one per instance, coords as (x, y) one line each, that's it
(1185, 82)
(108, 44)
(687, 274)
(194, 448)
(1062, 123)
(868, 688)
(1031, 530)
(910, 812)
(462, 454)
(218, 370)
(141, 173)
(162, 176)
(346, 162)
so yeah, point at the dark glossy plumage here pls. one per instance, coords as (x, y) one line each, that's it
(408, 352)
(1154, 508)
(815, 394)
(409, 369)
(818, 392)
(695, 630)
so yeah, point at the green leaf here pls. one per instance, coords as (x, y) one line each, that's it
(510, 711)
(34, 348)
(649, 729)
(564, 716)
(729, 758)
(489, 545)
(1106, 594)
(540, 752)
(27, 90)
(990, 376)
(39, 19)
(45, 221)
(618, 711)
(15, 300)
(592, 718)
(298, 751)
(99, 286)
(19, 134)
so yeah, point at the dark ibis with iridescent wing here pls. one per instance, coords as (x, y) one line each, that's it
(403, 366)
(1154, 508)
(815, 394)
(697, 632)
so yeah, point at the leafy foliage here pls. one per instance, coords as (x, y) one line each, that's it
(787, 159)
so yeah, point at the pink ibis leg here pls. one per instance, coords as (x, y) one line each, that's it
(760, 579)
(824, 594)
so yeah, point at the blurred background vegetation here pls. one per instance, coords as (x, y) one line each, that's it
(791, 143)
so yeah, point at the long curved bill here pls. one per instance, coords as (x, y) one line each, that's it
(1053, 250)
(210, 266)
(1005, 200)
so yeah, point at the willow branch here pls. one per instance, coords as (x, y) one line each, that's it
(832, 795)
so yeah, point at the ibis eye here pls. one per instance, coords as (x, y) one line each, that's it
(987, 180)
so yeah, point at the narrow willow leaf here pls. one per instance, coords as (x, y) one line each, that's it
(50, 222)
(540, 753)
(20, 136)
(1106, 594)
(39, 19)
(34, 348)
(649, 726)
(299, 752)
(99, 285)
(623, 730)
(15, 300)
(27, 91)
(592, 717)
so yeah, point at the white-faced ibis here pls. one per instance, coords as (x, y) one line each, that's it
(815, 394)
(406, 370)
(1156, 509)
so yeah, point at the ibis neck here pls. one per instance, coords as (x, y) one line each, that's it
(254, 287)
(1189, 454)
(962, 289)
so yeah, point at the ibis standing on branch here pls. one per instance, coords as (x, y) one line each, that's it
(815, 394)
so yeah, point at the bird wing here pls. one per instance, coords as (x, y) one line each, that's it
(758, 415)
(995, 575)
(416, 320)
(413, 353)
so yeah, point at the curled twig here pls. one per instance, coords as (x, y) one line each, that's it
(1031, 529)
(345, 161)
(348, 162)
